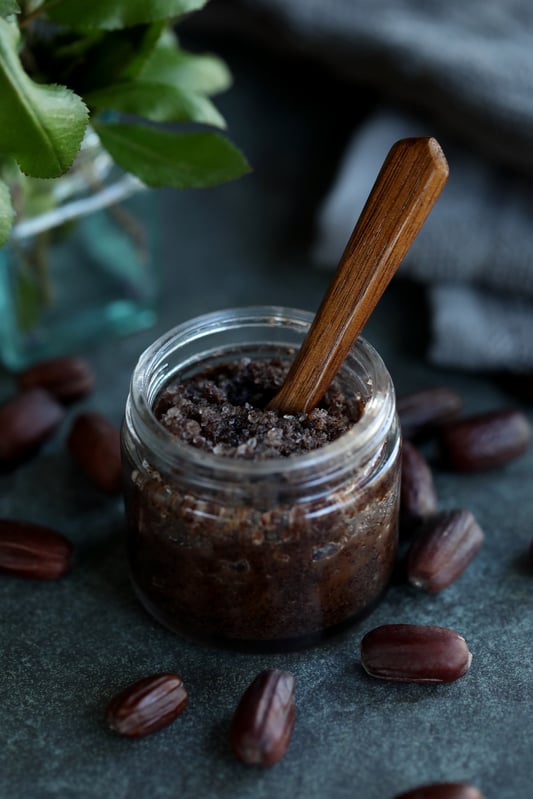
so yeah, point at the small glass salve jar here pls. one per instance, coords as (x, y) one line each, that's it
(268, 554)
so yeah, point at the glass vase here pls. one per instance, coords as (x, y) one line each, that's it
(81, 262)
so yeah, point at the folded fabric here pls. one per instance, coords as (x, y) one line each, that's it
(467, 65)
(475, 251)
(462, 72)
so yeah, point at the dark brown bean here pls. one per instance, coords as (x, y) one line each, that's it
(68, 378)
(485, 440)
(442, 549)
(263, 722)
(415, 653)
(418, 497)
(147, 705)
(422, 412)
(442, 790)
(94, 443)
(31, 550)
(26, 421)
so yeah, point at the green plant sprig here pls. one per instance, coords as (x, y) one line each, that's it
(65, 64)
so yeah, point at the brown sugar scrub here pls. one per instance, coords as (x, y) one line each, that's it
(240, 534)
(222, 410)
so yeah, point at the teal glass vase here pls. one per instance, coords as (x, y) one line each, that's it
(82, 260)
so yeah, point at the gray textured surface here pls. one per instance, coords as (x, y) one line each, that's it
(66, 647)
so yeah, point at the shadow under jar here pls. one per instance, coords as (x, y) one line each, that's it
(267, 554)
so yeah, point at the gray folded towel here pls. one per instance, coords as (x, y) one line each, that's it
(466, 63)
(462, 72)
(475, 251)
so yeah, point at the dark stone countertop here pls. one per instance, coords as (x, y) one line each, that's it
(68, 646)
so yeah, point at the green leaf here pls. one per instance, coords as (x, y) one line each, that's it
(157, 102)
(202, 74)
(92, 60)
(8, 7)
(150, 35)
(7, 213)
(41, 126)
(112, 14)
(180, 160)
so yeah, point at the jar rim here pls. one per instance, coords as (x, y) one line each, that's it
(360, 441)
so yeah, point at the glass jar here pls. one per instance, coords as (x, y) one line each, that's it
(81, 262)
(270, 554)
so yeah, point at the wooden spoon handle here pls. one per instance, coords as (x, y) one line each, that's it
(406, 188)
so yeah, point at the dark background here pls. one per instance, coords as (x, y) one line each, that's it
(67, 647)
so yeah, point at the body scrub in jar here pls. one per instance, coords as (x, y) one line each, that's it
(249, 526)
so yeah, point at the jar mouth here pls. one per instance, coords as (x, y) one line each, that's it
(274, 326)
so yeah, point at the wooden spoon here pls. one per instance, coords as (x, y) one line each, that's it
(408, 185)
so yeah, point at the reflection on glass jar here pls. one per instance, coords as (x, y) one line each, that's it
(273, 553)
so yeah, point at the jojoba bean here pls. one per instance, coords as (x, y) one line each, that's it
(263, 722)
(31, 550)
(67, 378)
(422, 412)
(442, 790)
(485, 440)
(26, 421)
(418, 497)
(442, 549)
(415, 653)
(94, 443)
(147, 705)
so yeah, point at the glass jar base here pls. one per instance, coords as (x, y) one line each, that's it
(195, 635)
(121, 318)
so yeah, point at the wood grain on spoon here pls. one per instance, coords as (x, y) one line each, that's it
(408, 185)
